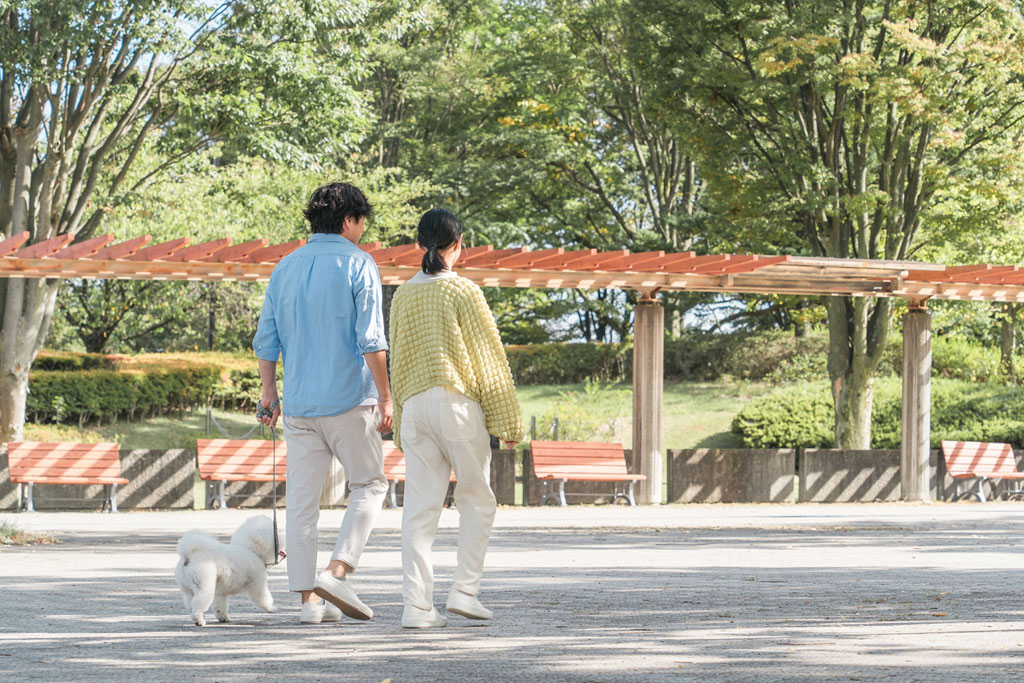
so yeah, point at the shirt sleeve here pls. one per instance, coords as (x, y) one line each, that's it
(266, 343)
(490, 366)
(368, 297)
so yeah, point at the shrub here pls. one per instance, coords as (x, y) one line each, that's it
(69, 362)
(803, 416)
(568, 363)
(105, 394)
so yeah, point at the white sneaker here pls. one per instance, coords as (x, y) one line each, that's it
(414, 617)
(467, 606)
(315, 612)
(340, 593)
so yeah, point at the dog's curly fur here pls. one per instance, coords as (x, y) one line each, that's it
(209, 571)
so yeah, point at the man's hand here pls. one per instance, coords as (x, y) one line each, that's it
(510, 444)
(269, 416)
(387, 416)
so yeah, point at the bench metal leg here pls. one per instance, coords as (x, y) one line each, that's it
(561, 493)
(632, 500)
(393, 493)
(113, 497)
(29, 503)
(222, 499)
(981, 490)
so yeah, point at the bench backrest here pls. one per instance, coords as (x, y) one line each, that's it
(394, 463)
(64, 463)
(240, 459)
(578, 457)
(969, 457)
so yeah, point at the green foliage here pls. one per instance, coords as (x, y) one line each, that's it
(567, 363)
(802, 415)
(585, 415)
(63, 361)
(106, 394)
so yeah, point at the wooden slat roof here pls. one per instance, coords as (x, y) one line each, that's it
(177, 259)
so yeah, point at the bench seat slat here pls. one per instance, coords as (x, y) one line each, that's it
(61, 479)
(576, 476)
(241, 460)
(39, 462)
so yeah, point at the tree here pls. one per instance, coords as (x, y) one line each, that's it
(85, 86)
(834, 129)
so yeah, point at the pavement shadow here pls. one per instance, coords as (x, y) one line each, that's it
(641, 610)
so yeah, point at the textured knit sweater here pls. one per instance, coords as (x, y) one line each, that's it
(443, 334)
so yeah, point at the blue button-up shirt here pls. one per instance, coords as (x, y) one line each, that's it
(322, 312)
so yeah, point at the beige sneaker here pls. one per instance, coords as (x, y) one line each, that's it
(340, 593)
(414, 617)
(316, 612)
(467, 605)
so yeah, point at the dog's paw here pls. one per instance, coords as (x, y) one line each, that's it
(270, 608)
(200, 622)
(222, 618)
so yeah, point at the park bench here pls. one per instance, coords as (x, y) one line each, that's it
(565, 461)
(394, 470)
(981, 461)
(224, 460)
(33, 462)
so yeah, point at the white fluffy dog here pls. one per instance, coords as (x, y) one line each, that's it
(209, 571)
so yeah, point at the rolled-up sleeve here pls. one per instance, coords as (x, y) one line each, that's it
(368, 297)
(266, 343)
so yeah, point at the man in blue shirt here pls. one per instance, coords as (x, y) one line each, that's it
(322, 315)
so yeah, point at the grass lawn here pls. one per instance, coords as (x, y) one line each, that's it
(695, 415)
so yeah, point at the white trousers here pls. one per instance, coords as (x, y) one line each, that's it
(352, 438)
(442, 430)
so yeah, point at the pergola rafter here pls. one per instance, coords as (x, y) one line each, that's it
(520, 267)
(644, 272)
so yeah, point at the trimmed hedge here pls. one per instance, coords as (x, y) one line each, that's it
(776, 357)
(803, 415)
(569, 363)
(106, 394)
(66, 361)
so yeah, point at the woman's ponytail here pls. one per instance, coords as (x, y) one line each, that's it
(438, 230)
(432, 261)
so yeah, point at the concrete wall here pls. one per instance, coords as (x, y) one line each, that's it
(503, 479)
(708, 475)
(586, 492)
(835, 476)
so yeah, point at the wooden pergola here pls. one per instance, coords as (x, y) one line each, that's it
(647, 273)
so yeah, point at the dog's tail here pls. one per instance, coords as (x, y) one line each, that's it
(195, 540)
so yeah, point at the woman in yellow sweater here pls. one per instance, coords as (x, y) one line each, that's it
(452, 388)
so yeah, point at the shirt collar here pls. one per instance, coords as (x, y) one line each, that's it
(329, 237)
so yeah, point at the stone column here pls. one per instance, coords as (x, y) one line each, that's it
(648, 375)
(917, 396)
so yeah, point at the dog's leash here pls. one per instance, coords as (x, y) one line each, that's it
(268, 412)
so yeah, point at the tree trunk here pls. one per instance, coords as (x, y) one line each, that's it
(211, 327)
(27, 312)
(13, 393)
(853, 395)
(1008, 342)
(858, 331)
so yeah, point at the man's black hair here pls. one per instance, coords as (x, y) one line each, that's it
(331, 204)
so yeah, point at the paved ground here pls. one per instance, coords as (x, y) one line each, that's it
(716, 592)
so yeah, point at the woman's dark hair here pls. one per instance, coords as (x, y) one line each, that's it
(331, 204)
(438, 230)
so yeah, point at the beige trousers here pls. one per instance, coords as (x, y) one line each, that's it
(442, 430)
(352, 438)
